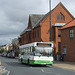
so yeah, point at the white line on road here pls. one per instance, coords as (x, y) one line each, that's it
(42, 70)
(50, 72)
(8, 73)
(53, 73)
(46, 71)
(34, 68)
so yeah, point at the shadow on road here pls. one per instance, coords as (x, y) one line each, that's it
(18, 64)
(15, 63)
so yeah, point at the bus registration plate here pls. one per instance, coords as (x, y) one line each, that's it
(43, 63)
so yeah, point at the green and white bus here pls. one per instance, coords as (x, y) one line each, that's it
(36, 53)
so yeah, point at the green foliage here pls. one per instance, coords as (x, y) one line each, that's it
(59, 53)
(55, 57)
(7, 51)
(22, 52)
(2, 50)
(17, 51)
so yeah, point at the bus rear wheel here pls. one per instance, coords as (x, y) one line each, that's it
(21, 60)
(28, 62)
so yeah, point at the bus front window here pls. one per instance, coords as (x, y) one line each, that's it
(44, 51)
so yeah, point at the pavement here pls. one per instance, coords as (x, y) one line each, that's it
(65, 65)
(60, 68)
(16, 68)
(3, 70)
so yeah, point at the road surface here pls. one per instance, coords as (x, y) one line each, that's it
(16, 68)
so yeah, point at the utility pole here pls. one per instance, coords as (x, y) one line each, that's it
(50, 17)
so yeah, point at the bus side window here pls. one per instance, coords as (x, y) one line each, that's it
(32, 49)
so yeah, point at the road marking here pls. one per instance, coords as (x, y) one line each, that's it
(8, 73)
(50, 72)
(46, 71)
(53, 73)
(2, 67)
(42, 70)
(34, 68)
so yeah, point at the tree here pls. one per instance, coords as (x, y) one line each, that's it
(2, 50)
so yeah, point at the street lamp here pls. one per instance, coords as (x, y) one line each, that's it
(50, 17)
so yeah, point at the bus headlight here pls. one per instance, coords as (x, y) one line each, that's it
(34, 60)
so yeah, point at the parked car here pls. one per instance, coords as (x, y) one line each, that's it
(4, 54)
(0, 54)
(11, 55)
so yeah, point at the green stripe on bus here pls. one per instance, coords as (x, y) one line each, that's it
(43, 62)
(38, 62)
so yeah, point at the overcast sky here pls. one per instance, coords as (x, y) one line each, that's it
(14, 15)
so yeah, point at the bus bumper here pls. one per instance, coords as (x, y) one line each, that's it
(43, 63)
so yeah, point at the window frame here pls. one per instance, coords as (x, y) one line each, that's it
(59, 33)
(71, 33)
(64, 50)
(60, 17)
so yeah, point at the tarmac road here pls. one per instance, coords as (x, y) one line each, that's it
(16, 68)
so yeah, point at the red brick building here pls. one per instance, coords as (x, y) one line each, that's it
(68, 41)
(39, 27)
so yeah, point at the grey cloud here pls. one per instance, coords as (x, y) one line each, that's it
(7, 39)
(14, 15)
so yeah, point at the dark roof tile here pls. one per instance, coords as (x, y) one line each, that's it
(35, 18)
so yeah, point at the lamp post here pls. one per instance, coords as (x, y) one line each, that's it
(50, 17)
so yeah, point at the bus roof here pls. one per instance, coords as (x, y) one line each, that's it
(34, 44)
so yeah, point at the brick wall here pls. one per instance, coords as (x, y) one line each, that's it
(69, 43)
(37, 34)
(45, 24)
(44, 28)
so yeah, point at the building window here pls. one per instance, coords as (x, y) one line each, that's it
(33, 35)
(59, 33)
(71, 33)
(64, 50)
(59, 46)
(60, 17)
(29, 36)
(38, 33)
